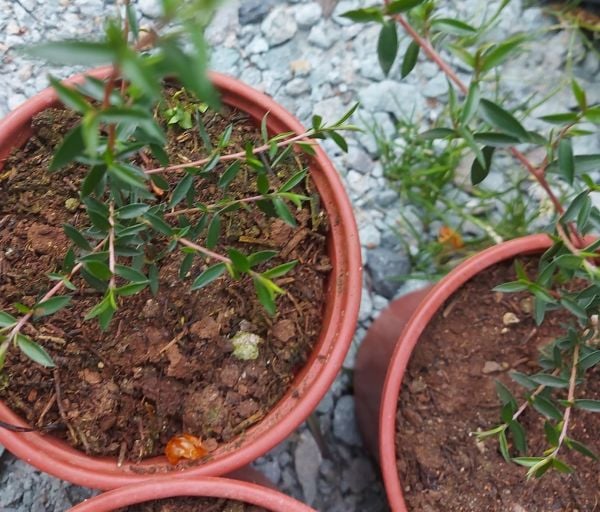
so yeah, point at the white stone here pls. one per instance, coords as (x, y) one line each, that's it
(279, 26)
(308, 14)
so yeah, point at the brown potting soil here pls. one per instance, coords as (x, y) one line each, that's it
(193, 505)
(165, 365)
(449, 391)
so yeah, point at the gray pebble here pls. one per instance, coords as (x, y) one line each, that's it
(279, 26)
(386, 263)
(307, 459)
(308, 14)
(344, 421)
(254, 11)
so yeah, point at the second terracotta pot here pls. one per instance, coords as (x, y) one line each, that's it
(390, 343)
(158, 489)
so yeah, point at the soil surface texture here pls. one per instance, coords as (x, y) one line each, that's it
(476, 339)
(165, 366)
(193, 505)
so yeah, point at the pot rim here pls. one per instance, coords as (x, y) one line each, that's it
(312, 382)
(213, 487)
(410, 336)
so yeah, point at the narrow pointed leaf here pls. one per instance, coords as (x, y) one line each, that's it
(34, 351)
(208, 276)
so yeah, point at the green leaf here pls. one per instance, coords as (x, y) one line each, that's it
(437, 133)
(590, 360)
(528, 461)
(551, 381)
(214, 229)
(579, 94)
(98, 269)
(283, 211)
(70, 148)
(365, 15)
(471, 103)
(280, 270)
(454, 27)
(561, 466)
(159, 224)
(230, 173)
(552, 433)
(92, 180)
(497, 54)
(153, 278)
(573, 307)
(265, 296)
(410, 59)
(130, 273)
(500, 119)
(132, 20)
(398, 6)
(7, 320)
(546, 408)
(138, 73)
(478, 171)
(186, 265)
(497, 140)
(503, 445)
(78, 239)
(293, 181)
(131, 288)
(581, 448)
(34, 351)
(260, 257)
(562, 118)
(566, 162)
(506, 397)
(99, 308)
(593, 114)
(52, 305)
(587, 405)
(132, 210)
(339, 140)
(181, 190)
(523, 380)
(575, 206)
(128, 174)
(73, 52)
(208, 276)
(519, 436)
(239, 260)
(387, 46)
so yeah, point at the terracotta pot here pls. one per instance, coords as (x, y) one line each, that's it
(403, 322)
(341, 311)
(156, 489)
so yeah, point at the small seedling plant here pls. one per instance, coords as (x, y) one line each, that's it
(118, 128)
(568, 277)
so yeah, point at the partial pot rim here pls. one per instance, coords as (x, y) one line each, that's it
(410, 336)
(339, 321)
(208, 487)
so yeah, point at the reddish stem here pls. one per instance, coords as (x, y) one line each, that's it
(538, 173)
(233, 156)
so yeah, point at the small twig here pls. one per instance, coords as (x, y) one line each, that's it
(570, 398)
(235, 156)
(204, 250)
(53, 291)
(111, 244)
(215, 206)
(61, 408)
(46, 409)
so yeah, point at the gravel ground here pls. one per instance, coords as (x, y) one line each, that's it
(311, 61)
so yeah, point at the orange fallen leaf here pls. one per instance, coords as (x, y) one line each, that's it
(448, 236)
(185, 446)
